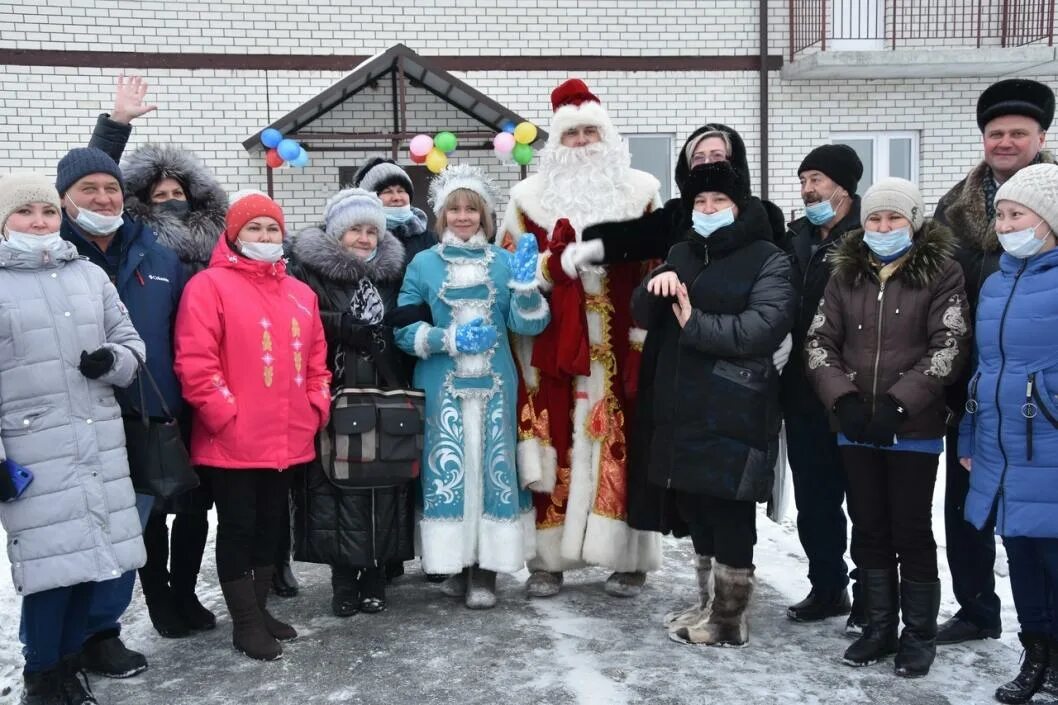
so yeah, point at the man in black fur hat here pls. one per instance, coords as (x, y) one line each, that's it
(1013, 116)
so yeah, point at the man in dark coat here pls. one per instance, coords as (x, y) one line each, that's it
(1013, 116)
(149, 279)
(829, 177)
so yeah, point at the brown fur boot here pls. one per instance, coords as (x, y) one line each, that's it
(727, 622)
(248, 630)
(262, 583)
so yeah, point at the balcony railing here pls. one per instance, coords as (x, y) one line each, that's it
(892, 24)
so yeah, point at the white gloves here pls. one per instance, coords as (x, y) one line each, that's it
(581, 254)
(781, 356)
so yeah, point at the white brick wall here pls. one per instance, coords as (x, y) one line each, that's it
(45, 110)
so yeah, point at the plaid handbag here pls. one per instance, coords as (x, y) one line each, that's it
(374, 437)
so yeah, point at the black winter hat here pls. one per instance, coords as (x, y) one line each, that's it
(718, 176)
(378, 174)
(838, 161)
(82, 161)
(1016, 96)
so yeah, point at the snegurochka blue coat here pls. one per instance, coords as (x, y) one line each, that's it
(1012, 434)
(475, 510)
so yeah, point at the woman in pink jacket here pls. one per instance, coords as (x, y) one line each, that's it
(252, 362)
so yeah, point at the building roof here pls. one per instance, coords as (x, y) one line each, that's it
(420, 71)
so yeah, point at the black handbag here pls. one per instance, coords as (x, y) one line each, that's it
(374, 437)
(158, 460)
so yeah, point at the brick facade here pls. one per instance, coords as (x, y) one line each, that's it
(46, 110)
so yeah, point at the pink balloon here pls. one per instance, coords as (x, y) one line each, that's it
(503, 142)
(420, 145)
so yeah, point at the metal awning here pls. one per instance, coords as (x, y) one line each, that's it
(401, 66)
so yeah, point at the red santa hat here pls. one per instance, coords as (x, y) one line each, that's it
(575, 105)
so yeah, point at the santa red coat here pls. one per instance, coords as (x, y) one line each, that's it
(576, 397)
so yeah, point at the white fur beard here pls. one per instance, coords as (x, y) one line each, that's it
(588, 184)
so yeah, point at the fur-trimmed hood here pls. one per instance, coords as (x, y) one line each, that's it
(193, 237)
(965, 210)
(317, 251)
(933, 246)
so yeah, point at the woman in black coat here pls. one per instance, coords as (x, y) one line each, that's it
(707, 417)
(175, 195)
(355, 267)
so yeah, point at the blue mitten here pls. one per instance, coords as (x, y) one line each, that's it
(475, 337)
(524, 260)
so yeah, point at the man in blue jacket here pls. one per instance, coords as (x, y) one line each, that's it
(149, 279)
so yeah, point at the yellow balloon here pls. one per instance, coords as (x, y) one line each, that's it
(525, 133)
(436, 161)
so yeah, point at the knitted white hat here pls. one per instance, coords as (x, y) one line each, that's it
(17, 190)
(897, 195)
(1036, 188)
(461, 176)
(353, 206)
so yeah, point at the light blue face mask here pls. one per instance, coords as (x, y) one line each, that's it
(705, 224)
(822, 212)
(398, 215)
(373, 255)
(890, 245)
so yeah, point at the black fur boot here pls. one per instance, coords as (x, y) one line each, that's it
(878, 586)
(919, 605)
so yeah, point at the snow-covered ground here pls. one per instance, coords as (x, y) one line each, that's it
(579, 648)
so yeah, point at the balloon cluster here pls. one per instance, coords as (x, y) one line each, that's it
(282, 150)
(433, 151)
(513, 143)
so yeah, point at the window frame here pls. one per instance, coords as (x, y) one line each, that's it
(880, 140)
(666, 180)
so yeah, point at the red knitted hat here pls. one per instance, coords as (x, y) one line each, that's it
(572, 92)
(247, 205)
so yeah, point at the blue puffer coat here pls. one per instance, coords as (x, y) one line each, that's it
(1012, 434)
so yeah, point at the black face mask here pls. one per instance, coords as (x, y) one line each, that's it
(174, 207)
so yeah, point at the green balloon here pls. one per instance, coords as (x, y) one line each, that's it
(445, 141)
(523, 154)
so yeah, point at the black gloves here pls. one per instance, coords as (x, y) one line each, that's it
(408, 314)
(96, 364)
(851, 411)
(888, 416)
(7, 485)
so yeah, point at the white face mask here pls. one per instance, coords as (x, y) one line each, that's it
(97, 224)
(262, 251)
(28, 242)
(1022, 243)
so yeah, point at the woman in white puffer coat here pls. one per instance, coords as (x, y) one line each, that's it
(65, 342)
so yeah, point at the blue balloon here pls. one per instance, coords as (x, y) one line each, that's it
(302, 159)
(289, 150)
(508, 126)
(271, 137)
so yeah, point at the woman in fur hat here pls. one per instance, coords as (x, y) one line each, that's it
(891, 332)
(707, 416)
(477, 515)
(174, 194)
(387, 180)
(355, 266)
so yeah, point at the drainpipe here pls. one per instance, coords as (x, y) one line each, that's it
(763, 99)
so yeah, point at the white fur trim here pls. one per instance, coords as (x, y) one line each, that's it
(473, 475)
(637, 336)
(536, 313)
(537, 465)
(611, 543)
(525, 287)
(590, 252)
(506, 546)
(549, 554)
(583, 478)
(569, 263)
(422, 345)
(522, 347)
(590, 113)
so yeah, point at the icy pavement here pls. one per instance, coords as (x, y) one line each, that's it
(580, 648)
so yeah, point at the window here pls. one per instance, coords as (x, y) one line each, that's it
(883, 154)
(653, 154)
